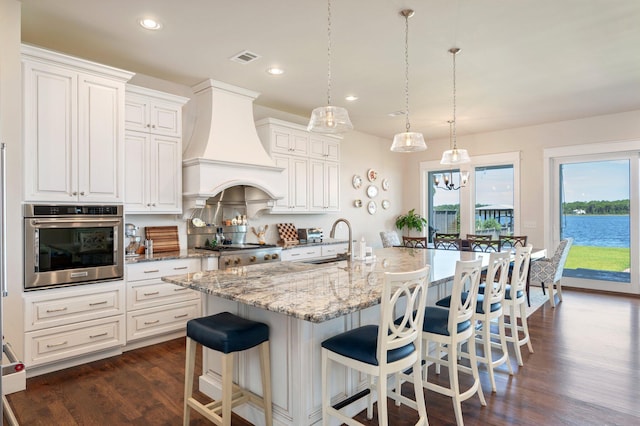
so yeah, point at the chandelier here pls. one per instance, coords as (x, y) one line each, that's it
(329, 119)
(407, 141)
(447, 177)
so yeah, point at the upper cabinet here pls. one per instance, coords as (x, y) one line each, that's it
(73, 128)
(153, 147)
(311, 163)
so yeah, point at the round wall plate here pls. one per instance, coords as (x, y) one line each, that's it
(357, 203)
(356, 181)
(385, 184)
(372, 191)
(372, 207)
(372, 175)
(385, 204)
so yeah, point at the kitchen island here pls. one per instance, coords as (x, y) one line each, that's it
(304, 304)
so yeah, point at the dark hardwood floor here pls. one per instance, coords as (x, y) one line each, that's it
(585, 371)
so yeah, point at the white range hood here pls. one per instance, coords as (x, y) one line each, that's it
(225, 150)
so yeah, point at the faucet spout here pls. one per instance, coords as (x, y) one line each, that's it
(332, 234)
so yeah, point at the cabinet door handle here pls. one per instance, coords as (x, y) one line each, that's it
(152, 271)
(50, 311)
(98, 303)
(55, 345)
(181, 289)
(98, 335)
(181, 316)
(180, 267)
(151, 322)
(152, 293)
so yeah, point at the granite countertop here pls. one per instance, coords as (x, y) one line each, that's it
(325, 241)
(318, 293)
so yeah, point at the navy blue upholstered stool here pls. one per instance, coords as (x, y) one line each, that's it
(227, 333)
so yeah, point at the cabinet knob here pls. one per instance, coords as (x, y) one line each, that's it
(81, 192)
(153, 126)
(73, 194)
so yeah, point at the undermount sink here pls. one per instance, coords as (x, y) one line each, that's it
(323, 261)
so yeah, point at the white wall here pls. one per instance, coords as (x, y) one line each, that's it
(11, 135)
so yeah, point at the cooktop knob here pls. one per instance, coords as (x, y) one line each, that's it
(252, 259)
(227, 262)
(267, 256)
(274, 256)
(236, 261)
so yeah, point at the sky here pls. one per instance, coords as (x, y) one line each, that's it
(601, 180)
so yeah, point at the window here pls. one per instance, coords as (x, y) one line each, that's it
(494, 200)
(494, 181)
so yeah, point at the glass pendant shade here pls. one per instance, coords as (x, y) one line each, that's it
(329, 119)
(408, 142)
(455, 156)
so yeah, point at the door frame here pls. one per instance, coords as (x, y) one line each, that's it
(552, 157)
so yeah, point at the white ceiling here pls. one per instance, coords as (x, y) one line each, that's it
(522, 62)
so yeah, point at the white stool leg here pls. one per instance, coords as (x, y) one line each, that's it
(190, 362)
(265, 365)
(525, 326)
(227, 387)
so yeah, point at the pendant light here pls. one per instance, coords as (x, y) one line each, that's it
(329, 119)
(407, 141)
(454, 156)
(447, 178)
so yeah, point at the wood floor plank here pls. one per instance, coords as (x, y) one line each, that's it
(585, 371)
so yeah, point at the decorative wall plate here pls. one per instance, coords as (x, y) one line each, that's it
(385, 184)
(372, 175)
(357, 181)
(372, 191)
(372, 207)
(357, 203)
(385, 204)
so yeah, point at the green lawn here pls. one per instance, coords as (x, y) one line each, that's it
(598, 258)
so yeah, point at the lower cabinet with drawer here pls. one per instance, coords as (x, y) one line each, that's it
(156, 310)
(69, 326)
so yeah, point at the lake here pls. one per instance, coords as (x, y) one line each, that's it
(599, 231)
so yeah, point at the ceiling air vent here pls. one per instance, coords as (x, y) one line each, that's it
(245, 57)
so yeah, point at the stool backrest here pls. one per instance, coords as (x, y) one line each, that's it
(512, 241)
(400, 288)
(496, 281)
(467, 276)
(520, 270)
(447, 243)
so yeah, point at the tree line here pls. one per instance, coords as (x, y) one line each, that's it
(596, 207)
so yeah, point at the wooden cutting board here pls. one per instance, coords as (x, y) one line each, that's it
(165, 238)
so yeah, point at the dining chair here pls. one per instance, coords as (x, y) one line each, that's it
(512, 241)
(415, 242)
(549, 271)
(482, 243)
(392, 346)
(389, 239)
(449, 328)
(515, 299)
(447, 243)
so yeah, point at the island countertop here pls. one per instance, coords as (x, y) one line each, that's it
(318, 293)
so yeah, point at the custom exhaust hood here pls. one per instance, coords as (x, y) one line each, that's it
(225, 150)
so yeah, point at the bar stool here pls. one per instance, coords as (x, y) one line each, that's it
(227, 333)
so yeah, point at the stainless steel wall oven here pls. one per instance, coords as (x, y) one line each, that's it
(70, 244)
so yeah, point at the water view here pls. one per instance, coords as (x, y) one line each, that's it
(597, 231)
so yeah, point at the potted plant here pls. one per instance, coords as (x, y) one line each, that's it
(411, 220)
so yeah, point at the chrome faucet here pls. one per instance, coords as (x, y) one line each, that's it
(332, 234)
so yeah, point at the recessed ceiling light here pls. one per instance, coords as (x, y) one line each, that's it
(150, 24)
(351, 98)
(275, 71)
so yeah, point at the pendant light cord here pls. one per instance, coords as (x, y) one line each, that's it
(328, 52)
(454, 51)
(406, 68)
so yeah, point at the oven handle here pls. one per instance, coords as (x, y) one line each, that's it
(83, 220)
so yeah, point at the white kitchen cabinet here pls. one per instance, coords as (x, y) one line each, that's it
(73, 128)
(324, 148)
(69, 322)
(156, 310)
(153, 184)
(296, 172)
(153, 151)
(301, 253)
(325, 186)
(155, 112)
(332, 250)
(311, 164)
